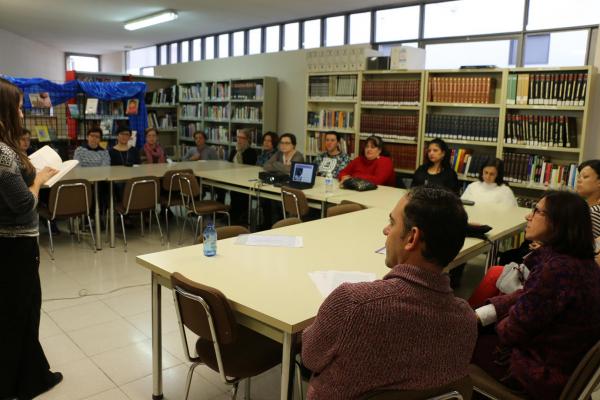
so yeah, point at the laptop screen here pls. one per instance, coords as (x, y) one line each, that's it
(303, 172)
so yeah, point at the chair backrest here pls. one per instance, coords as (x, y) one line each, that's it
(141, 194)
(201, 306)
(461, 389)
(343, 209)
(585, 378)
(294, 202)
(362, 206)
(70, 198)
(226, 232)
(189, 186)
(170, 181)
(286, 222)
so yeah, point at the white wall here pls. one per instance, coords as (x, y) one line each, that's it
(288, 67)
(22, 57)
(113, 63)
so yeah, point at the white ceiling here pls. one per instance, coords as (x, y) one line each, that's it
(96, 27)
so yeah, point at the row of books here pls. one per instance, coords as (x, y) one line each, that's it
(541, 130)
(164, 121)
(463, 127)
(162, 96)
(399, 126)
(405, 92)
(93, 106)
(538, 170)
(332, 86)
(246, 91)
(187, 130)
(218, 91)
(191, 111)
(474, 162)
(247, 112)
(218, 134)
(469, 89)
(192, 92)
(216, 112)
(558, 89)
(331, 119)
(316, 143)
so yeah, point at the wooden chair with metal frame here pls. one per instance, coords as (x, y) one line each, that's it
(294, 202)
(286, 222)
(581, 384)
(170, 194)
(191, 198)
(68, 199)
(139, 195)
(237, 353)
(343, 209)
(226, 232)
(461, 389)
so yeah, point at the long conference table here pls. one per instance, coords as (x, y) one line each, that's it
(269, 288)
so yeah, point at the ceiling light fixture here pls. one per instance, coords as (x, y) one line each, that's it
(149, 20)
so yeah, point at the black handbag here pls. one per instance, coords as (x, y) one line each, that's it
(360, 185)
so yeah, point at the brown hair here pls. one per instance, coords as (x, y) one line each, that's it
(11, 126)
(148, 130)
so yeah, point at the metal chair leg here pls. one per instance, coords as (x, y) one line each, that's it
(78, 229)
(234, 390)
(182, 228)
(299, 383)
(142, 222)
(188, 382)
(123, 228)
(198, 221)
(92, 232)
(150, 221)
(167, 224)
(51, 242)
(162, 240)
(247, 389)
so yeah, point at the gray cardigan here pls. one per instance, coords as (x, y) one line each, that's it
(207, 153)
(275, 163)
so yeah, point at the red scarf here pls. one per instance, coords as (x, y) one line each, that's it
(155, 153)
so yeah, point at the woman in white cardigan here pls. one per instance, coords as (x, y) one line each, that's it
(491, 188)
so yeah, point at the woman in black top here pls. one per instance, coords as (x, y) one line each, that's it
(436, 170)
(26, 371)
(122, 153)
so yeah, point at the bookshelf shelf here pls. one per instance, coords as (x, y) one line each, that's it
(332, 100)
(325, 129)
(465, 142)
(404, 170)
(247, 101)
(189, 119)
(536, 186)
(414, 141)
(99, 117)
(537, 148)
(216, 100)
(544, 107)
(218, 121)
(464, 105)
(246, 121)
(186, 139)
(167, 130)
(150, 106)
(464, 177)
(191, 100)
(381, 106)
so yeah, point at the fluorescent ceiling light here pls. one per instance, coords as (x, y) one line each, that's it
(159, 18)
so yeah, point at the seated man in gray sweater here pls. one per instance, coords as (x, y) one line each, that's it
(201, 151)
(91, 154)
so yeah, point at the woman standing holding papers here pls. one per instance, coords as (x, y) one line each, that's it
(27, 372)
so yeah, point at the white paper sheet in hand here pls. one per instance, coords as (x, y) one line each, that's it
(47, 157)
(327, 281)
(270, 240)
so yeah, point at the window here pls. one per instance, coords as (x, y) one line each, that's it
(224, 45)
(559, 13)
(559, 49)
(196, 49)
(312, 34)
(185, 51)
(473, 17)
(272, 39)
(139, 58)
(454, 55)
(147, 71)
(291, 34)
(209, 48)
(334, 31)
(238, 43)
(174, 59)
(255, 41)
(360, 28)
(163, 55)
(397, 24)
(83, 63)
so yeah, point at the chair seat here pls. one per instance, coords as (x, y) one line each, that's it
(252, 354)
(209, 206)
(484, 382)
(175, 199)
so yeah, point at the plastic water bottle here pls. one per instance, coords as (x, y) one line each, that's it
(328, 183)
(210, 240)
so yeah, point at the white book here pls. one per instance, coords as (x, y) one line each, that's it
(47, 157)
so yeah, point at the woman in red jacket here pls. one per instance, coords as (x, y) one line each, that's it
(372, 166)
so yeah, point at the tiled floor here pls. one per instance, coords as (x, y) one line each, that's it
(102, 343)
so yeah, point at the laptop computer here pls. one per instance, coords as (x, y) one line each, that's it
(302, 175)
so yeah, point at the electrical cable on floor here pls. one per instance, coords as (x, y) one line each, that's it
(85, 293)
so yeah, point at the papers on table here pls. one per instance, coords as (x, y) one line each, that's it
(327, 281)
(47, 157)
(270, 240)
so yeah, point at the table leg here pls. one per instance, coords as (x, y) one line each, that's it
(287, 366)
(111, 217)
(157, 389)
(97, 217)
(323, 203)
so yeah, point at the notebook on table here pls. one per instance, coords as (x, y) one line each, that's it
(302, 175)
